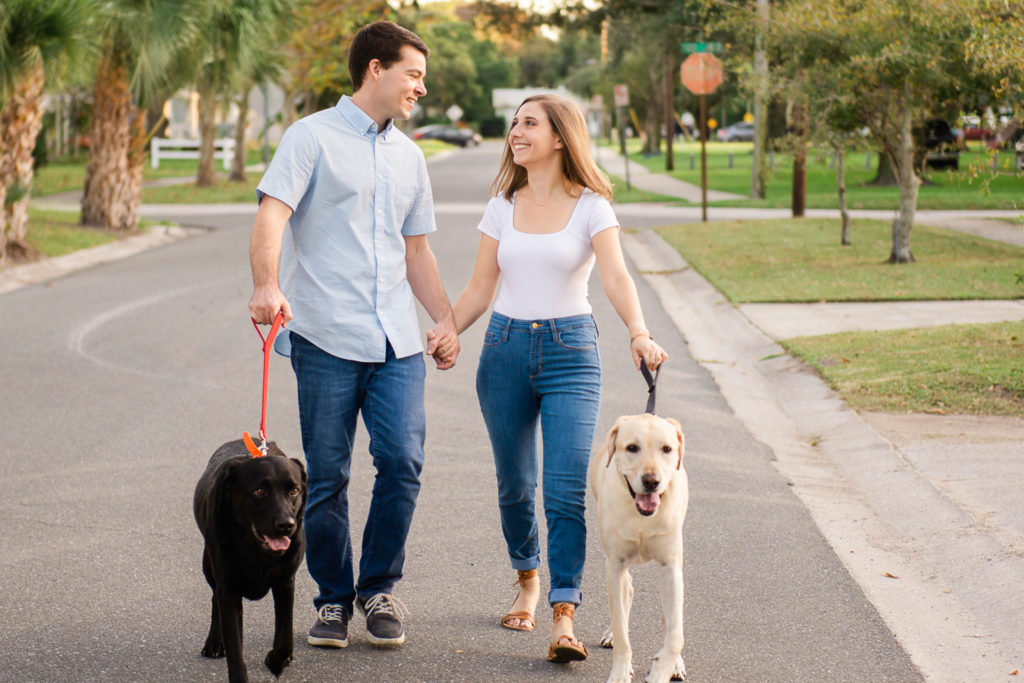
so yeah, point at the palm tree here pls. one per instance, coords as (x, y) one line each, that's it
(142, 41)
(36, 36)
(236, 36)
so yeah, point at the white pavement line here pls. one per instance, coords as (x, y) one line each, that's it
(952, 607)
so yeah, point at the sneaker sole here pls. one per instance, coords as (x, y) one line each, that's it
(385, 642)
(326, 642)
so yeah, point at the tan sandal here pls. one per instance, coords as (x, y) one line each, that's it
(566, 648)
(526, 619)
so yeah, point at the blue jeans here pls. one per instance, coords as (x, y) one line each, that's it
(332, 392)
(546, 373)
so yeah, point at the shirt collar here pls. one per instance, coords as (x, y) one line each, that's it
(360, 120)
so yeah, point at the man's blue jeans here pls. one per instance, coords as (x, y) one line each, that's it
(545, 372)
(332, 392)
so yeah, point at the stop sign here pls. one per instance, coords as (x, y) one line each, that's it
(701, 73)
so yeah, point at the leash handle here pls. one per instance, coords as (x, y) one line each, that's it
(652, 385)
(268, 345)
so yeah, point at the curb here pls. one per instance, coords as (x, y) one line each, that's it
(51, 268)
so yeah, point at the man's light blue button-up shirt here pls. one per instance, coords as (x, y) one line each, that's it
(356, 192)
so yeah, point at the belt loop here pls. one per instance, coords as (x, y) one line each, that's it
(505, 330)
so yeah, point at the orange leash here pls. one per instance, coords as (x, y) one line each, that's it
(268, 345)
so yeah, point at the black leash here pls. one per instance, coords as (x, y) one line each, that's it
(652, 385)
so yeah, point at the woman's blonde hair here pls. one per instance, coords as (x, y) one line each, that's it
(578, 167)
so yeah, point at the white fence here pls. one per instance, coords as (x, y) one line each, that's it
(180, 148)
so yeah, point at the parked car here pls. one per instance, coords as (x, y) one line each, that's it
(974, 130)
(463, 137)
(941, 144)
(737, 132)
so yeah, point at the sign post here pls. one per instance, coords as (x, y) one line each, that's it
(621, 94)
(701, 73)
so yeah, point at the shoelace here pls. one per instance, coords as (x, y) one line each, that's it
(331, 613)
(386, 604)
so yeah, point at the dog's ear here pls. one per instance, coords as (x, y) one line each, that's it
(609, 441)
(679, 436)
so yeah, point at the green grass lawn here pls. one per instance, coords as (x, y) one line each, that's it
(55, 233)
(802, 261)
(974, 186)
(968, 369)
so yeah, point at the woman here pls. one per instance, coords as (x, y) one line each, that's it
(541, 233)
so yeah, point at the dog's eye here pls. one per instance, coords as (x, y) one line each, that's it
(666, 449)
(260, 492)
(294, 492)
(633, 448)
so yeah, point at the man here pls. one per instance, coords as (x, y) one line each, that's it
(355, 193)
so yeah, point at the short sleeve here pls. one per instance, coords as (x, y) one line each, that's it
(420, 219)
(291, 169)
(491, 222)
(601, 216)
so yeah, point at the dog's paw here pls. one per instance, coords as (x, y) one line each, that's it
(606, 639)
(621, 672)
(213, 649)
(662, 672)
(276, 663)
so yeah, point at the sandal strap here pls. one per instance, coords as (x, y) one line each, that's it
(564, 609)
(524, 575)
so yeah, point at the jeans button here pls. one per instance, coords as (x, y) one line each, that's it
(534, 325)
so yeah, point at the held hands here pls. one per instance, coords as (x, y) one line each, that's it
(444, 347)
(644, 349)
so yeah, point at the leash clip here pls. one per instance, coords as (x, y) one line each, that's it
(268, 345)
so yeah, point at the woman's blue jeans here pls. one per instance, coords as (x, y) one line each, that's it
(332, 392)
(546, 373)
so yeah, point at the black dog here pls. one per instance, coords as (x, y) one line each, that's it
(250, 512)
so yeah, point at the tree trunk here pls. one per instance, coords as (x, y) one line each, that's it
(20, 122)
(207, 175)
(909, 182)
(885, 176)
(844, 213)
(799, 161)
(113, 179)
(652, 118)
(238, 163)
(759, 172)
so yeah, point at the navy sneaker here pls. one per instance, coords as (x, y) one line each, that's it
(331, 627)
(384, 614)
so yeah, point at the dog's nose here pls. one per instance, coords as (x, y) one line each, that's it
(286, 526)
(650, 482)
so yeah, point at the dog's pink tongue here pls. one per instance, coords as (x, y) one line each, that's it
(282, 543)
(647, 502)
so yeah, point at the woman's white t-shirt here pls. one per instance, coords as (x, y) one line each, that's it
(545, 276)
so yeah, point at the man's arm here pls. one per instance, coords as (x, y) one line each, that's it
(264, 254)
(425, 281)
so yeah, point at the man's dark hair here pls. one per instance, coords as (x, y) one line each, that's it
(381, 40)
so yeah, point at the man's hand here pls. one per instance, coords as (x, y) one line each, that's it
(443, 346)
(266, 302)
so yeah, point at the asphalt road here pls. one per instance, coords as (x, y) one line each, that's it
(118, 382)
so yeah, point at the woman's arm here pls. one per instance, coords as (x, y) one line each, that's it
(621, 292)
(479, 293)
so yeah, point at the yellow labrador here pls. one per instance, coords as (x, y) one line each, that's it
(638, 479)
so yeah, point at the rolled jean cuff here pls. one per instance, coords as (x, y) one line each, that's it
(527, 564)
(572, 595)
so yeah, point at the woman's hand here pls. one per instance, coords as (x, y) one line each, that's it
(644, 349)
